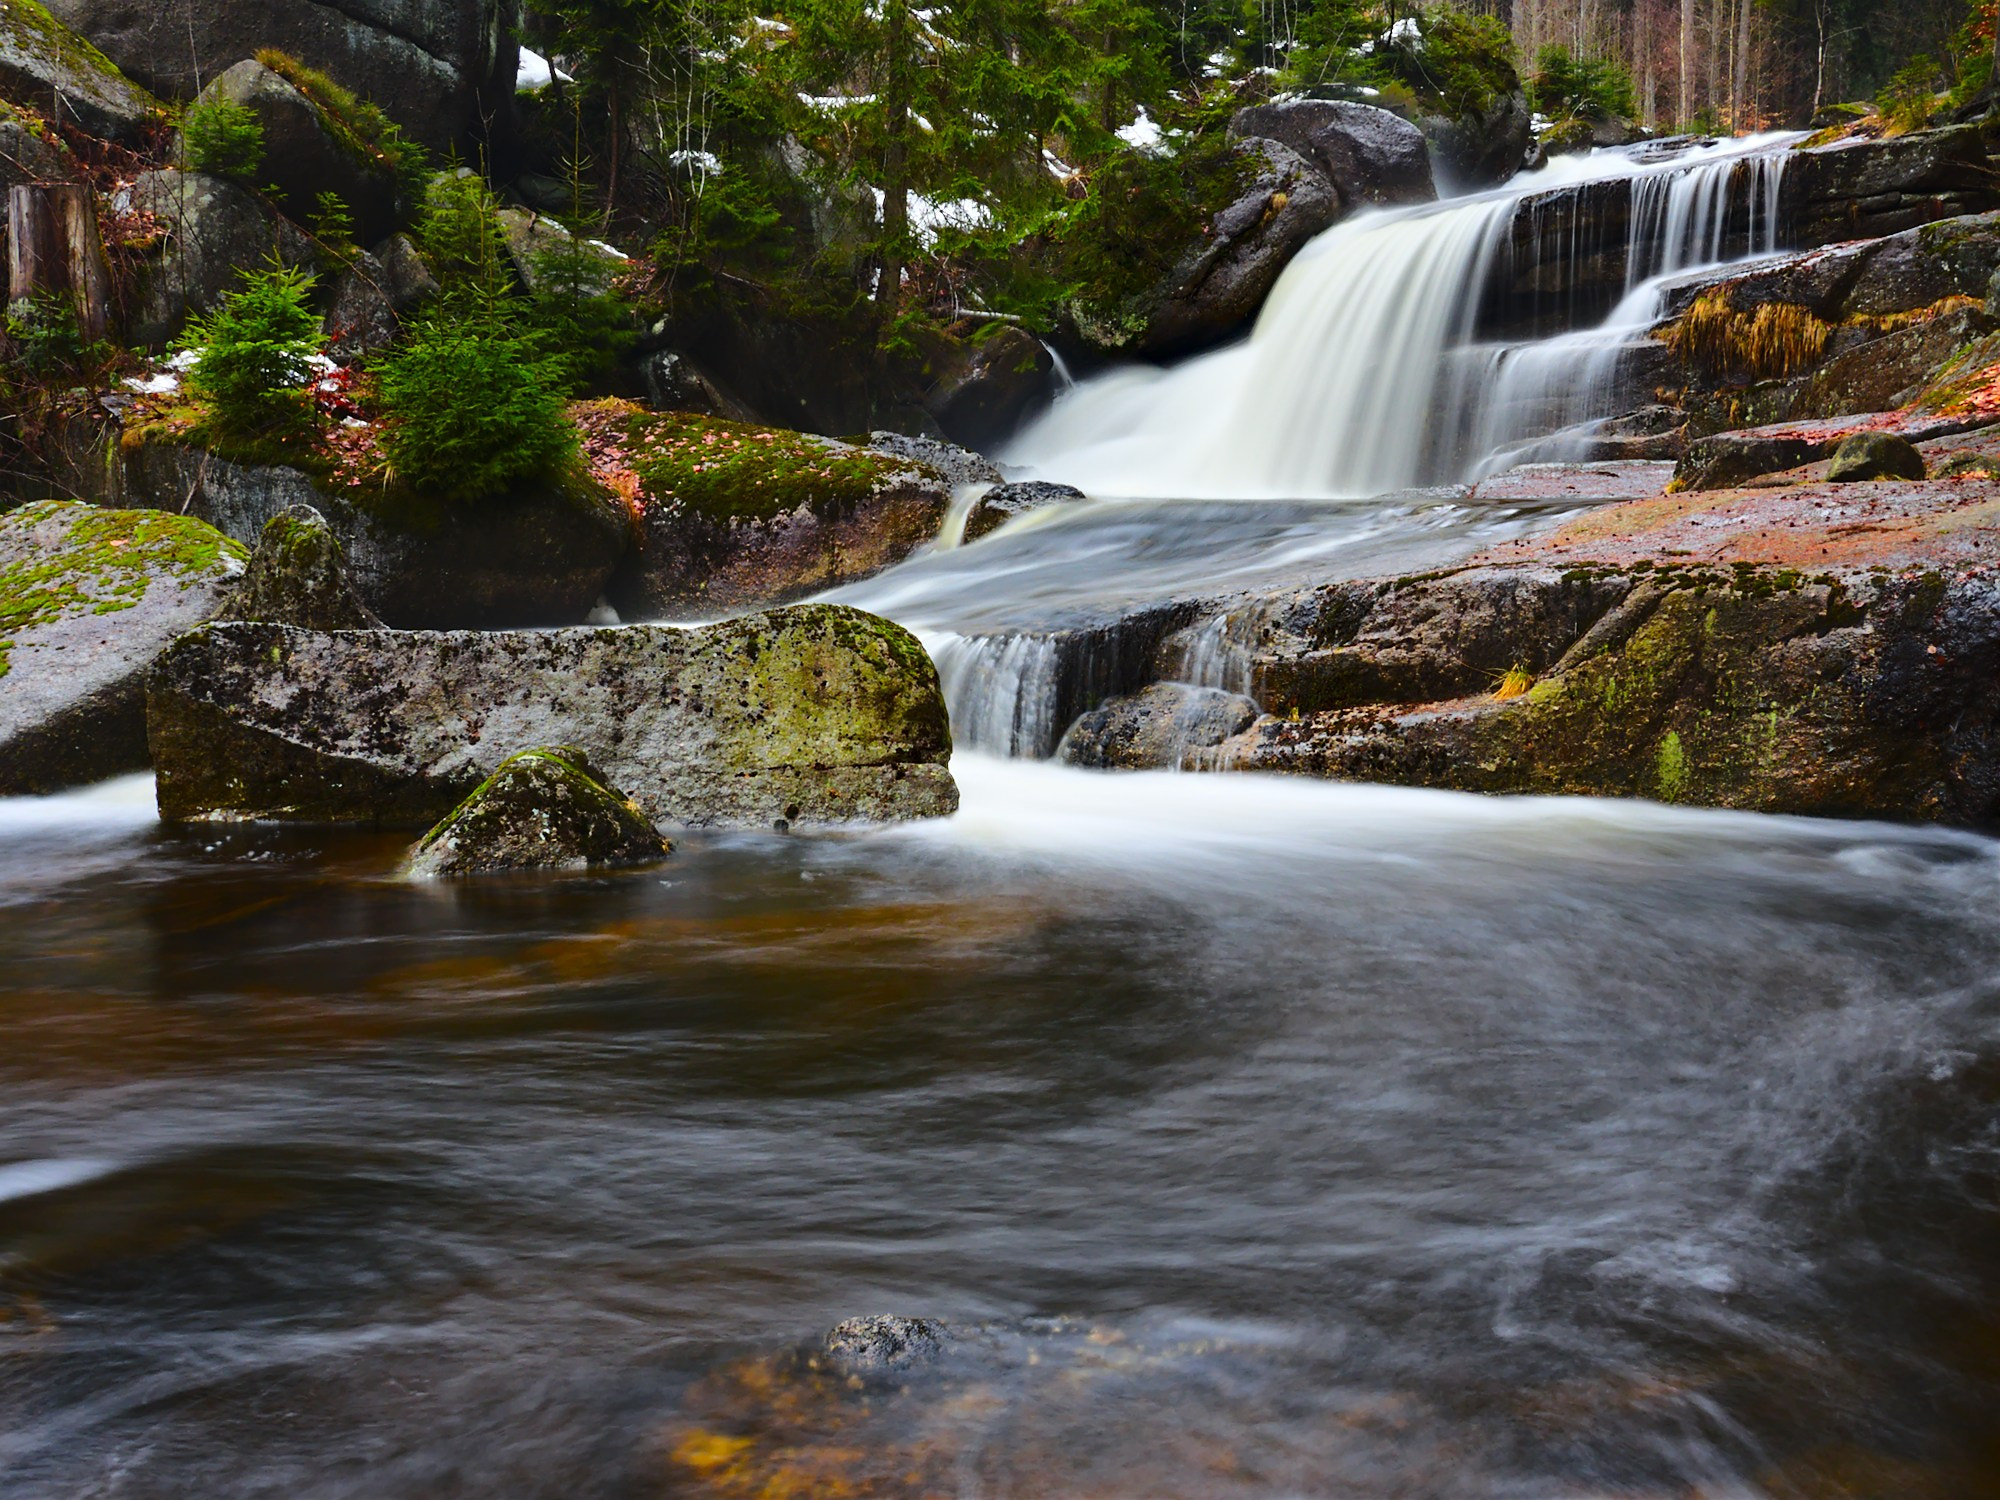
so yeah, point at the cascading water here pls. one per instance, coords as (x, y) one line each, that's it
(1362, 375)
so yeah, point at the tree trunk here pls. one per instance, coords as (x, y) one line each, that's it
(895, 159)
(1687, 62)
(83, 258)
(1739, 87)
(34, 260)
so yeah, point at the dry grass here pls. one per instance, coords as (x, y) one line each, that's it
(1776, 340)
(1514, 684)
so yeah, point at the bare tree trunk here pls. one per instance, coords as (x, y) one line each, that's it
(83, 257)
(1739, 86)
(1687, 61)
(34, 260)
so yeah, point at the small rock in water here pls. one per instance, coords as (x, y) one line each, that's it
(546, 809)
(878, 1344)
(1004, 502)
(1162, 727)
(297, 576)
(1875, 455)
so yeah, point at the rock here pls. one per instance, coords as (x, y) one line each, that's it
(361, 320)
(676, 383)
(46, 63)
(302, 155)
(539, 556)
(407, 280)
(1004, 502)
(439, 68)
(1001, 381)
(1167, 726)
(957, 465)
(735, 516)
(1485, 146)
(26, 157)
(1728, 459)
(1368, 154)
(1861, 189)
(215, 232)
(544, 809)
(88, 599)
(812, 715)
(1875, 455)
(530, 238)
(1218, 287)
(296, 577)
(882, 1345)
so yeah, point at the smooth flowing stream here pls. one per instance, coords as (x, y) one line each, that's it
(1252, 1137)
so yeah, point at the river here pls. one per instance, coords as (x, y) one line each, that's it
(1251, 1137)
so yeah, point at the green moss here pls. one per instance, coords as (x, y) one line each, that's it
(105, 563)
(1670, 768)
(730, 471)
(30, 20)
(358, 127)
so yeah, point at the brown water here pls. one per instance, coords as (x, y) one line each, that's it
(1254, 1138)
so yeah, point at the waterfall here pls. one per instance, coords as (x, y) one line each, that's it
(1362, 377)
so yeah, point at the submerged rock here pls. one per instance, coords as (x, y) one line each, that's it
(296, 577)
(881, 1344)
(1167, 726)
(89, 599)
(816, 714)
(1875, 455)
(734, 515)
(544, 809)
(1004, 502)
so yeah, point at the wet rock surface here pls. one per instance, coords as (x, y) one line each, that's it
(958, 465)
(297, 576)
(998, 384)
(89, 599)
(812, 715)
(881, 1344)
(544, 809)
(1167, 726)
(1875, 455)
(1004, 502)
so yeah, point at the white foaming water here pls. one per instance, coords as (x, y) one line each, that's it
(1347, 385)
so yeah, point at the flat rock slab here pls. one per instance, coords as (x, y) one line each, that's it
(1893, 524)
(817, 714)
(1612, 479)
(89, 598)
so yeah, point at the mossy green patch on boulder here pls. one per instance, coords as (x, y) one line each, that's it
(88, 599)
(815, 714)
(733, 515)
(296, 577)
(42, 60)
(1875, 455)
(543, 809)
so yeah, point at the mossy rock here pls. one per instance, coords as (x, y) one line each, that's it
(89, 598)
(543, 809)
(812, 715)
(1875, 455)
(735, 515)
(44, 62)
(297, 577)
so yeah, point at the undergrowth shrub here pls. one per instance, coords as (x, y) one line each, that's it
(1910, 97)
(1564, 84)
(471, 408)
(459, 233)
(223, 139)
(254, 363)
(583, 326)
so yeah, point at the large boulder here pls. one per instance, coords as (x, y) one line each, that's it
(992, 387)
(734, 516)
(544, 809)
(304, 155)
(1369, 154)
(28, 153)
(439, 68)
(816, 714)
(46, 65)
(1218, 282)
(296, 577)
(214, 232)
(541, 555)
(1858, 188)
(88, 599)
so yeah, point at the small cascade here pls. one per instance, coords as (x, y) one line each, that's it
(1363, 376)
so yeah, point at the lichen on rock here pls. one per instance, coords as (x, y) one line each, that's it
(543, 809)
(296, 577)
